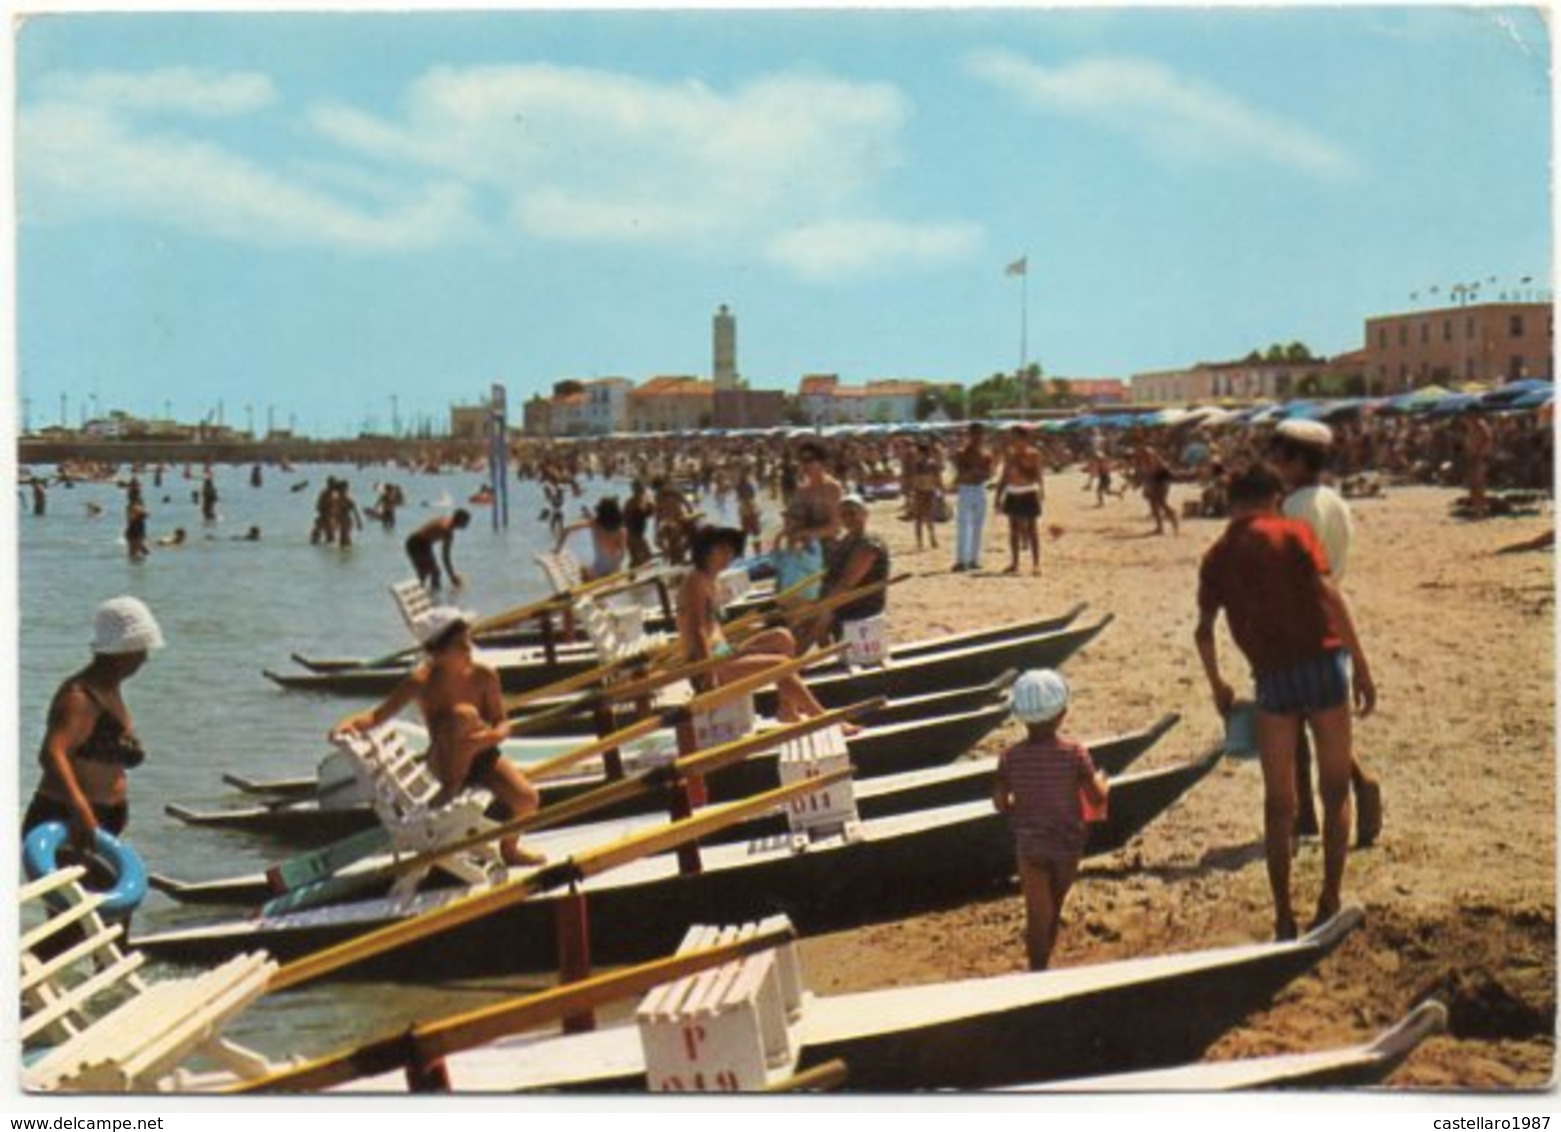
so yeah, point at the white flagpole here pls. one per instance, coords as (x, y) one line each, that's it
(1024, 334)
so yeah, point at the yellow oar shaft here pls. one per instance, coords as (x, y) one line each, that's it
(471, 1029)
(478, 905)
(573, 809)
(830, 1075)
(708, 700)
(593, 862)
(547, 768)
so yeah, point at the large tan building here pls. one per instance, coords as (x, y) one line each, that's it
(1214, 381)
(1486, 343)
(672, 404)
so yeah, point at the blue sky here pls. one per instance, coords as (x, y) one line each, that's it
(310, 215)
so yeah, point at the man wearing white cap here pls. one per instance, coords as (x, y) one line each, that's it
(855, 559)
(1299, 453)
(90, 742)
(1042, 784)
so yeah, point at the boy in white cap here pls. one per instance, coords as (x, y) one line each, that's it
(463, 709)
(1043, 785)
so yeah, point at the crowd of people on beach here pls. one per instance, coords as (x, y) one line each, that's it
(1275, 573)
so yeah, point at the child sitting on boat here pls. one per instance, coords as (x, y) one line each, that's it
(1044, 785)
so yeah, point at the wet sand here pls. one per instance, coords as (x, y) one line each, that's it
(1459, 891)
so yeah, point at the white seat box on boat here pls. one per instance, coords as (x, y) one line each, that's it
(866, 641)
(729, 1029)
(826, 812)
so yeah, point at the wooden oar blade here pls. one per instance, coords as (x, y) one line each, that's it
(309, 868)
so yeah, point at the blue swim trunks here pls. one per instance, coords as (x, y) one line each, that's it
(1317, 684)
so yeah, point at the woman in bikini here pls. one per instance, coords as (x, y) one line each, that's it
(463, 709)
(90, 742)
(699, 627)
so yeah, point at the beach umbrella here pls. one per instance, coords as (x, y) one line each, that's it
(1534, 399)
(1453, 404)
(1301, 410)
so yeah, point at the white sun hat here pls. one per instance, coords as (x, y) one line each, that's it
(125, 625)
(1313, 433)
(1039, 696)
(434, 623)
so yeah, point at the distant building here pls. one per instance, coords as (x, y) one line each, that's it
(672, 404)
(1485, 343)
(1216, 381)
(825, 401)
(749, 408)
(580, 408)
(724, 349)
(1092, 390)
(607, 405)
(468, 422)
(537, 416)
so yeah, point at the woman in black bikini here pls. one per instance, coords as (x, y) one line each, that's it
(90, 742)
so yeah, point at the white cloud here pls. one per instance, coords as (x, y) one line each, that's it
(583, 155)
(786, 167)
(839, 249)
(79, 160)
(1182, 118)
(205, 94)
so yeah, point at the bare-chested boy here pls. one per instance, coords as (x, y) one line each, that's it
(463, 709)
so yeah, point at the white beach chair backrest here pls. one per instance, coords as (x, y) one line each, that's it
(96, 1025)
(733, 1028)
(562, 570)
(404, 793)
(412, 601)
(828, 811)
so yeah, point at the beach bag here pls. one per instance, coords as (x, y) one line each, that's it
(940, 508)
(1093, 813)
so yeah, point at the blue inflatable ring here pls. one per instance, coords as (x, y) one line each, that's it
(41, 856)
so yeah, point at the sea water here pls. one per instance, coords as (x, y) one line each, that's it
(229, 609)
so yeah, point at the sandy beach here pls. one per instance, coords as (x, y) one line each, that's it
(1459, 892)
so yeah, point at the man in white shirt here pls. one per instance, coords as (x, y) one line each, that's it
(1299, 453)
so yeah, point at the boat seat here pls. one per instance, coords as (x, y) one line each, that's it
(866, 641)
(732, 1028)
(96, 1026)
(732, 585)
(829, 812)
(407, 800)
(562, 570)
(412, 600)
(616, 632)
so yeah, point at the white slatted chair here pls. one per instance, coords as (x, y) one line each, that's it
(822, 813)
(91, 1023)
(405, 795)
(562, 570)
(412, 601)
(734, 1028)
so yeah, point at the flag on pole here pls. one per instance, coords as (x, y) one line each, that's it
(1020, 266)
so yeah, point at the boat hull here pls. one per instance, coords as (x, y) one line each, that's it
(998, 1032)
(1136, 801)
